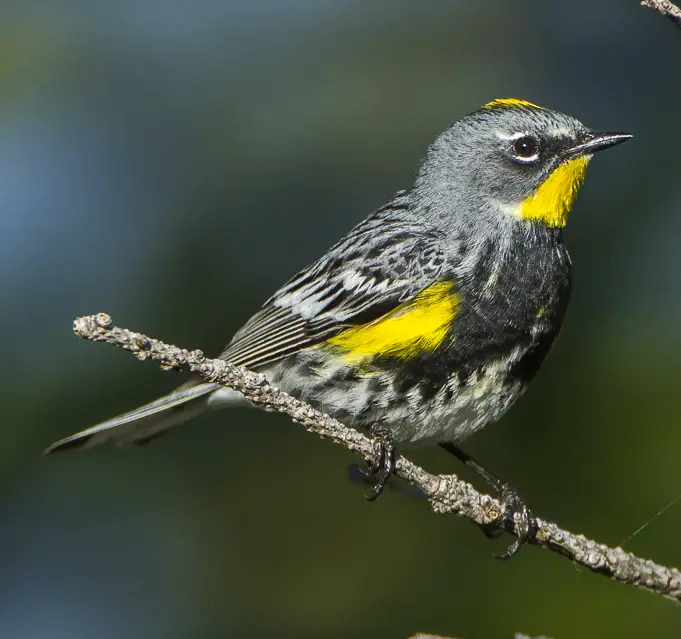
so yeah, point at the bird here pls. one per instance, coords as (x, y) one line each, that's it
(427, 320)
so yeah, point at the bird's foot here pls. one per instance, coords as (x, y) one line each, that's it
(358, 475)
(518, 517)
(384, 466)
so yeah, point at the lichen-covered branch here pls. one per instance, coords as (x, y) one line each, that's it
(667, 8)
(445, 493)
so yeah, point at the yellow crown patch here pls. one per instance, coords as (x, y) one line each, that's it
(510, 102)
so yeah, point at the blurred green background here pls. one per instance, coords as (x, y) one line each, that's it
(172, 162)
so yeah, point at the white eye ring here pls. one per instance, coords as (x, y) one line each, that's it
(525, 149)
(518, 157)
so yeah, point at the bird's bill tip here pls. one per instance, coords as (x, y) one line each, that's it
(598, 142)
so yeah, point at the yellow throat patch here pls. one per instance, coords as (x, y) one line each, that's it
(552, 201)
(418, 325)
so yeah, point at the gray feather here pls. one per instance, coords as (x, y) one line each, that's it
(384, 261)
(143, 423)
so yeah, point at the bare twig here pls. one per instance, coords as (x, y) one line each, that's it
(445, 493)
(667, 8)
(421, 635)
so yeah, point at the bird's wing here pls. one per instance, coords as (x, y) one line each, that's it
(382, 263)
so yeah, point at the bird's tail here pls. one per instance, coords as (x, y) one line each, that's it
(144, 423)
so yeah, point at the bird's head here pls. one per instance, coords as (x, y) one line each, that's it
(524, 160)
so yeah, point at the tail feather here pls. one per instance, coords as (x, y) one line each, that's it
(143, 423)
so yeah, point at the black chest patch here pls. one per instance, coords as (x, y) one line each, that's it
(511, 310)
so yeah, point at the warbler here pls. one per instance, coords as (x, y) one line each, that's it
(427, 320)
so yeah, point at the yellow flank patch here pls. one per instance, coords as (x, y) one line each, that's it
(553, 200)
(418, 325)
(509, 102)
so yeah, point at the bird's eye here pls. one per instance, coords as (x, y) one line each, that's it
(525, 148)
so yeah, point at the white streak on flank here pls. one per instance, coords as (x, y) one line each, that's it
(489, 288)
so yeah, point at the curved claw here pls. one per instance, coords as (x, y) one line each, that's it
(385, 452)
(518, 514)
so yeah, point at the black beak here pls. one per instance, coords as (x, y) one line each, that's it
(597, 142)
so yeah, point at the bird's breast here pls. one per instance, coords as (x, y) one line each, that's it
(513, 301)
